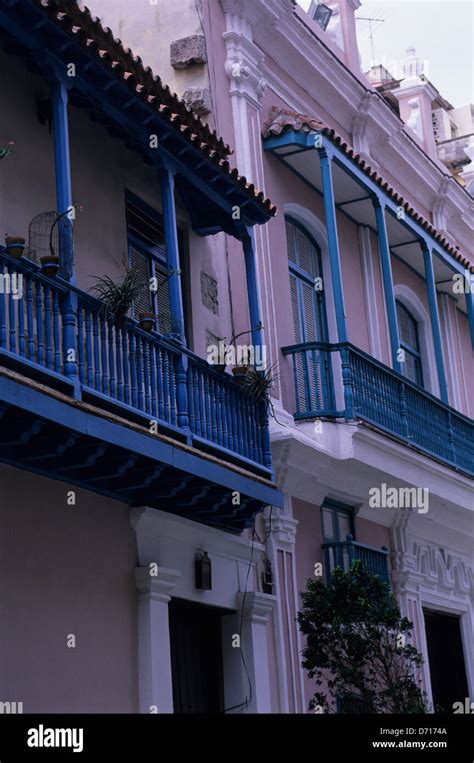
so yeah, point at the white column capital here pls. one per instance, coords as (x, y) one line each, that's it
(157, 587)
(257, 607)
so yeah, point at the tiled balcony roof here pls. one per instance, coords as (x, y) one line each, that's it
(88, 32)
(281, 120)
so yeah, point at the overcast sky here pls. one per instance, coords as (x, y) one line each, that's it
(441, 31)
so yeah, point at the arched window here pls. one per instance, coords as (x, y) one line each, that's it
(309, 317)
(307, 302)
(409, 342)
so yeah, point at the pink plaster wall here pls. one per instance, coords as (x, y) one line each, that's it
(66, 570)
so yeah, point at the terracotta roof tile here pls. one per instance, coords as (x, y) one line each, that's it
(88, 32)
(282, 120)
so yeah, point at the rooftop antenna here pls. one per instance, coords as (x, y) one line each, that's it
(371, 20)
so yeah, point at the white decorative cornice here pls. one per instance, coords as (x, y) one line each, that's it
(363, 120)
(281, 527)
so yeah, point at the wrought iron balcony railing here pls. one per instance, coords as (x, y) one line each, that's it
(377, 394)
(56, 332)
(343, 553)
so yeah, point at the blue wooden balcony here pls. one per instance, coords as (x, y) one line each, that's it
(123, 412)
(375, 393)
(343, 553)
(124, 369)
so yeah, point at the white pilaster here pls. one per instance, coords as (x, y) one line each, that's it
(257, 608)
(154, 656)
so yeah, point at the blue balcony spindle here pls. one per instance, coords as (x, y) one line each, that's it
(12, 323)
(159, 383)
(403, 411)
(225, 423)
(251, 426)
(30, 323)
(212, 392)
(347, 382)
(146, 375)
(153, 400)
(3, 322)
(266, 445)
(139, 361)
(111, 391)
(217, 411)
(103, 354)
(133, 370)
(171, 367)
(166, 385)
(192, 414)
(89, 358)
(21, 326)
(80, 341)
(125, 361)
(48, 339)
(39, 323)
(95, 330)
(233, 416)
(182, 401)
(200, 397)
(118, 361)
(56, 333)
(207, 404)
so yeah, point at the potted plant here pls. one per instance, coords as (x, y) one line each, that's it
(244, 363)
(118, 297)
(147, 320)
(259, 384)
(15, 246)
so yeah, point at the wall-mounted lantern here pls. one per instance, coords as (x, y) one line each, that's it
(203, 569)
(322, 14)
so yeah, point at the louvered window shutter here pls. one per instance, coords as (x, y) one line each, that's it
(140, 263)
(408, 330)
(163, 301)
(308, 316)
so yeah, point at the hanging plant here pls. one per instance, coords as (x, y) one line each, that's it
(118, 297)
(259, 384)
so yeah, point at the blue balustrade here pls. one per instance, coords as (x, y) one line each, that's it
(380, 396)
(343, 553)
(63, 332)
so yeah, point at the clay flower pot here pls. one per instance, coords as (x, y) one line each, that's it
(240, 374)
(147, 321)
(50, 265)
(15, 246)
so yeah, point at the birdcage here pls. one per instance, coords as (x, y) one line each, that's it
(49, 233)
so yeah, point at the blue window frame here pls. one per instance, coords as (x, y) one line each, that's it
(147, 255)
(337, 523)
(309, 317)
(410, 344)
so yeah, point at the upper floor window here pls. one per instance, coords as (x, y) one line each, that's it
(307, 302)
(409, 342)
(147, 256)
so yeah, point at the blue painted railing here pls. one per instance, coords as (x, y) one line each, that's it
(140, 373)
(380, 396)
(343, 553)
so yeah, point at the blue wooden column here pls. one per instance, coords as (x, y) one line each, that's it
(333, 244)
(172, 251)
(336, 279)
(435, 324)
(470, 312)
(175, 291)
(62, 164)
(252, 286)
(387, 281)
(253, 295)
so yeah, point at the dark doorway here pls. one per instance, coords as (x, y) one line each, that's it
(446, 660)
(196, 658)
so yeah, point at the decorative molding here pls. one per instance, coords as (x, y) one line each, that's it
(282, 528)
(157, 587)
(256, 607)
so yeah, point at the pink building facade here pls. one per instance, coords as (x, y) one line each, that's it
(365, 295)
